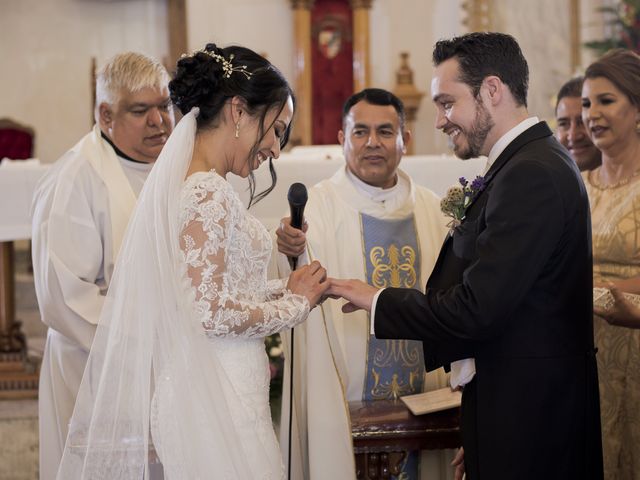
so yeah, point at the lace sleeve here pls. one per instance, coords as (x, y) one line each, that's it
(276, 288)
(225, 301)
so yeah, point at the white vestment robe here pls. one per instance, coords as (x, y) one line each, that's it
(330, 348)
(81, 208)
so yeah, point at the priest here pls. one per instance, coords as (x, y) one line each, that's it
(81, 208)
(369, 221)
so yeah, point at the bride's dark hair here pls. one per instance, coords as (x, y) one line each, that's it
(202, 81)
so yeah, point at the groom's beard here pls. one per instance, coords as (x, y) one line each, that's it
(476, 135)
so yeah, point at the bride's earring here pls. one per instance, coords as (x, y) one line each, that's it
(238, 130)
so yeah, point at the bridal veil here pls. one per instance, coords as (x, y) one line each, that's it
(147, 330)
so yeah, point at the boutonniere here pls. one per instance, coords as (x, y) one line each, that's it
(458, 198)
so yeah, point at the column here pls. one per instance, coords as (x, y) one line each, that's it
(574, 35)
(177, 28)
(302, 70)
(361, 64)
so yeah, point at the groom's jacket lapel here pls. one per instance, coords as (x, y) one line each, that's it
(538, 131)
(449, 267)
(442, 278)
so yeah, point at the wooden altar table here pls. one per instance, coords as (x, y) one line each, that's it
(18, 372)
(384, 431)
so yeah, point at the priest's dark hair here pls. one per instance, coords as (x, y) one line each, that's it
(375, 96)
(571, 89)
(483, 54)
(205, 79)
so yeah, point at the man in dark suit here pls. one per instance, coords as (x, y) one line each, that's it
(512, 287)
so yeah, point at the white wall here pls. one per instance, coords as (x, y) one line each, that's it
(592, 26)
(413, 26)
(396, 26)
(46, 48)
(541, 28)
(265, 26)
(545, 42)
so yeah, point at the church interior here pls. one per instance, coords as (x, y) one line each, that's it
(328, 49)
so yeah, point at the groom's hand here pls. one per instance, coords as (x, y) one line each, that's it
(458, 464)
(359, 295)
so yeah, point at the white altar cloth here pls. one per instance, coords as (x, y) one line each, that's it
(436, 172)
(307, 165)
(18, 179)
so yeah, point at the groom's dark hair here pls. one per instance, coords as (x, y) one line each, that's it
(481, 54)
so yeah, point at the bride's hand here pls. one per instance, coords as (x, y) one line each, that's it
(310, 281)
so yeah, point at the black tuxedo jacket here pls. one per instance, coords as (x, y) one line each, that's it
(512, 288)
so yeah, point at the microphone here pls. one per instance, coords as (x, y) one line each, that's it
(297, 198)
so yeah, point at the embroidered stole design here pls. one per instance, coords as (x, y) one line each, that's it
(394, 367)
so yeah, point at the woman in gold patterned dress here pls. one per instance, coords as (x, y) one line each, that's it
(611, 112)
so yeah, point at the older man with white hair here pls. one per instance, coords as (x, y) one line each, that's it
(80, 212)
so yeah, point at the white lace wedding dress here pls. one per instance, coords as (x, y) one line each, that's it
(179, 347)
(226, 251)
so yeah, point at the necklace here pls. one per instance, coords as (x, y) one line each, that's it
(622, 182)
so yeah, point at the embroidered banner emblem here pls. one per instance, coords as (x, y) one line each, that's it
(394, 367)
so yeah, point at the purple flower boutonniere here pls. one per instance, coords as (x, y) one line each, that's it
(455, 202)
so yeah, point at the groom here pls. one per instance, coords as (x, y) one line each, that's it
(509, 300)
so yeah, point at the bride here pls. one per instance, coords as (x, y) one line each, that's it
(178, 366)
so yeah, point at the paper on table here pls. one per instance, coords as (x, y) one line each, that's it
(433, 401)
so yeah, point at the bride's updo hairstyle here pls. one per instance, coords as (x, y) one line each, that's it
(208, 78)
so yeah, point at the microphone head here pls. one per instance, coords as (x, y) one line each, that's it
(297, 194)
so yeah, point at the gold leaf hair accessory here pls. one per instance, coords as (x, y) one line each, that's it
(227, 65)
